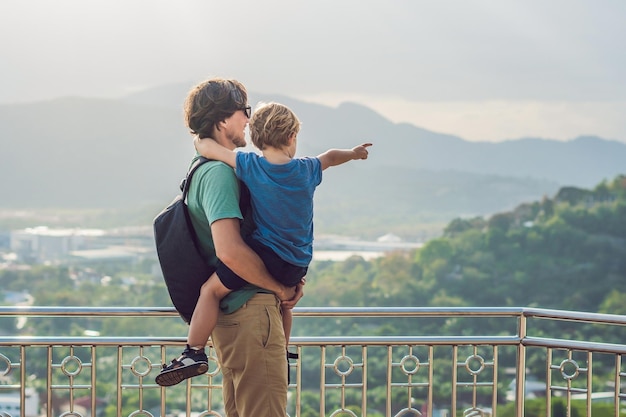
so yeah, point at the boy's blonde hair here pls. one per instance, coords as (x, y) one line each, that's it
(272, 124)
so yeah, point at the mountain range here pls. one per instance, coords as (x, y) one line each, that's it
(115, 153)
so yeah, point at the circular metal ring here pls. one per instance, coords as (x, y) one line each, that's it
(347, 360)
(71, 414)
(343, 411)
(473, 412)
(210, 413)
(407, 411)
(68, 360)
(217, 366)
(140, 413)
(410, 359)
(6, 370)
(137, 361)
(564, 372)
(478, 359)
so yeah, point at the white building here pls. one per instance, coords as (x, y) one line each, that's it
(46, 244)
(10, 403)
(385, 243)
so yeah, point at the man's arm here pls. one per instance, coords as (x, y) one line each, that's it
(243, 261)
(334, 157)
(212, 150)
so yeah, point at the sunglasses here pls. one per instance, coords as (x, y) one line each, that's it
(247, 111)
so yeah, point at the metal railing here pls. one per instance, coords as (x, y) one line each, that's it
(439, 374)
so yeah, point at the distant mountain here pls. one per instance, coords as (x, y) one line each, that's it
(584, 161)
(77, 152)
(81, 152)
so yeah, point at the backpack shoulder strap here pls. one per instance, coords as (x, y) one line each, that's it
(185, 183)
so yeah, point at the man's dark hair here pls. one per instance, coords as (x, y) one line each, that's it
(211, 102)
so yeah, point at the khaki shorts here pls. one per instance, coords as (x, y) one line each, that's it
(250, 345)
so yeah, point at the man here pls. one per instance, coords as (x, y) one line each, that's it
(249, 337)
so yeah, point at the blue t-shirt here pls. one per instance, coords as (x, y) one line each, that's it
(282, 203)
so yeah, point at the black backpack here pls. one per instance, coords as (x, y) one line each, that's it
(184, 268)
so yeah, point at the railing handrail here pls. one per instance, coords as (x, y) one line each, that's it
(51, 311)
(296, 340)
(33, 311)
(574, 316)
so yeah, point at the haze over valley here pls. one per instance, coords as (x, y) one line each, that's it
(134, 158)
(474, 108)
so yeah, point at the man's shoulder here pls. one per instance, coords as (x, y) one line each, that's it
(214, 187)
(212, 165)
(214, 170)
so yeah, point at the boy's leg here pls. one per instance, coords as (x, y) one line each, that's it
(205, 315)
(287, 320)
(193, 360)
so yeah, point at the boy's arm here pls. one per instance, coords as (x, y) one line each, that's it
(212, 150)
(334, 157)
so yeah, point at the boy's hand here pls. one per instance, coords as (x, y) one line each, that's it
(204, 147)
(360, 152)
(289, 304)
(210, 149)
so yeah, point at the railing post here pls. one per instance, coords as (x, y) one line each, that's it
(520, 372)
(589, 380)
(389, 381)
(548, 382)
(22, 380)
(617, 384)
(364, 387)
(455, 379)
(323, 381)
(49, 409)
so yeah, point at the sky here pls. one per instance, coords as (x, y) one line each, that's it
(484, 70)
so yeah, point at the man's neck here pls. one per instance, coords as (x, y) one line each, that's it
(223, 140)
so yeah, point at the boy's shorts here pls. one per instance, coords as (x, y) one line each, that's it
(282, 271)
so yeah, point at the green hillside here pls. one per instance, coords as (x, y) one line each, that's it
(565, 252)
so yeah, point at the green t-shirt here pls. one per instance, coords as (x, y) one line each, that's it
(214, 195)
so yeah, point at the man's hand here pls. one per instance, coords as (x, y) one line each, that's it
(286, 293)
(299, 293)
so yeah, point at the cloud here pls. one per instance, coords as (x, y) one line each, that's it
(497, 120)
(484, 51)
